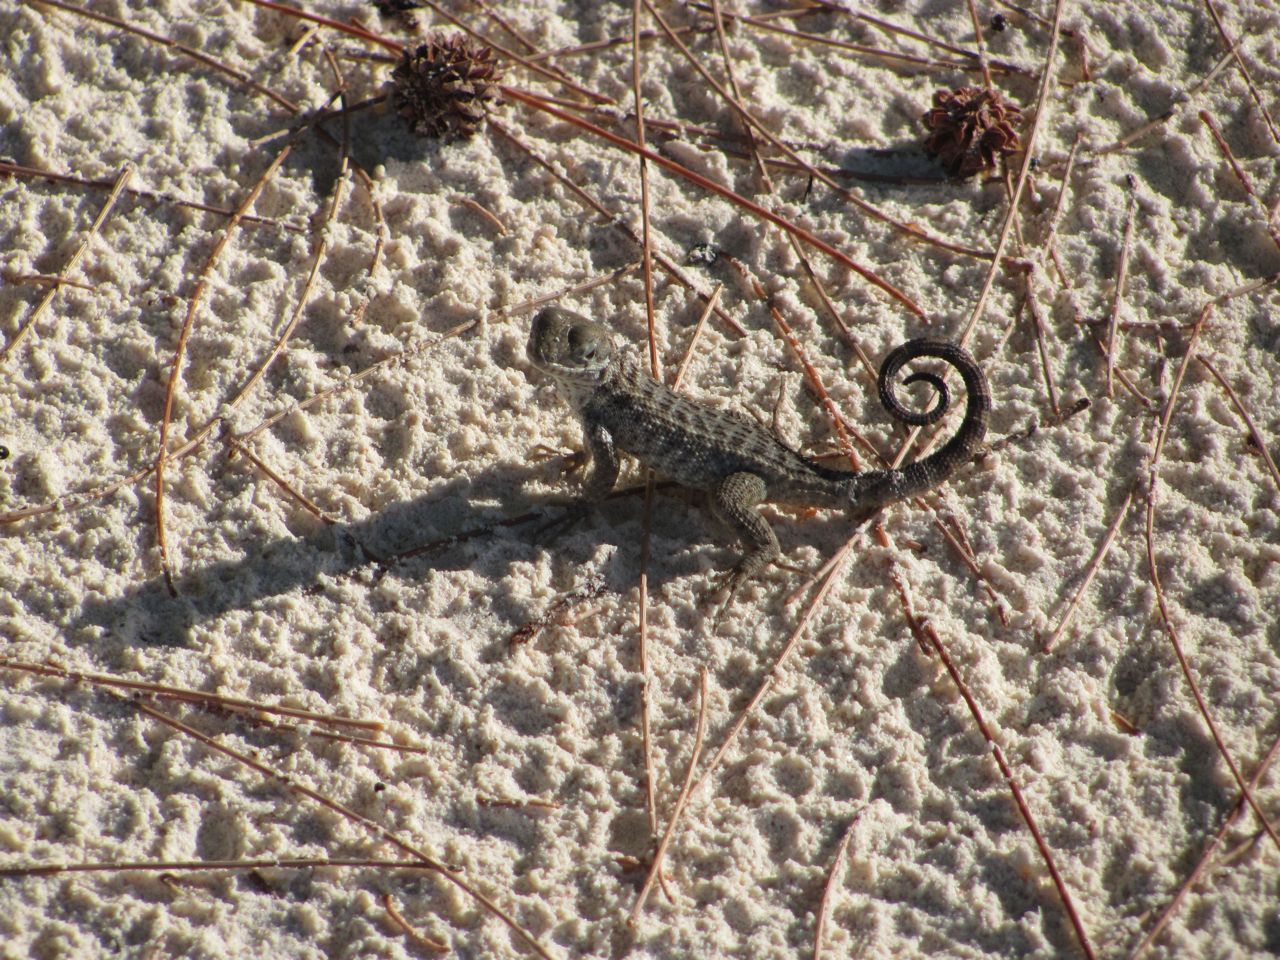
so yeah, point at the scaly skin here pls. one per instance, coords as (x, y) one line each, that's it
(736, 460)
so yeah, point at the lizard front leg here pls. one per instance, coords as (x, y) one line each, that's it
(604, 461)
(604, 474)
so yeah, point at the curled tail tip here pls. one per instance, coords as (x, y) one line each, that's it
(979, 398)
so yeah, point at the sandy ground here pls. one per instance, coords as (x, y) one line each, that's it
(528, 770)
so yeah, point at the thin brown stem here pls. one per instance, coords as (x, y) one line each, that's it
(372, 826)
(302, 499)
(404, 926)
(775, 672)
(655, 869)
(350, 29)
(1243, 178)
(116, 189)
(237, 75)
(200, 697)
(616, 221)
(1100, 555)
(679, 170)
(1244, 70)
(646, 245)
(1258, 441)
(1174, 640)
(1041, 112)
(1051, 238)
(1122, 275)
(838, 424)
(1206, 858)
(1125, 380)
(471, 203)
(697, 333)
(175, 370)
(1038, 324)
(824, 907)
(1161, 119)
(736, 100)
(929, 638)
(35, 173)
(891, 57)
(199, 866)
(646, 681)
(977, 39)
(46, 280)
(898, 30)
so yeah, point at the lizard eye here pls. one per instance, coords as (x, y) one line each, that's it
(583, 344)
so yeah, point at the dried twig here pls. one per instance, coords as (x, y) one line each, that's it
(775, 671)
(929, 639)
(471, 203)
(540, 103)
(646, 245)
(372, 826)
(35, 173)
(302, 499)
(175, 371)
(1244, 70)
(1256, 201)
(655, 870)
(117, 187)
(824, 908)
(1163, 118)
(890, 57)
(237, 75)
(697, 332)
(1206, 857)
(642, 614)
(198, 866)
(1122, 274)
(1165, 617)
(1041, 113)
(616, 221)
(405, 927)
(1248, 421)
(1090, 571)
(200, 697)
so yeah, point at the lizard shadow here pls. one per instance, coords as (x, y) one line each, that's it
(460, 524)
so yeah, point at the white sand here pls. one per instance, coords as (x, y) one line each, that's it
(859, 728)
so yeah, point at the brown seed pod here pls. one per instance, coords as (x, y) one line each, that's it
(970, 128)
(445, 87)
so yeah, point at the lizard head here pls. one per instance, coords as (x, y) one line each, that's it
(570, 347)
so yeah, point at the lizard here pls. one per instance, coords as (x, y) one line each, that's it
(736, 460)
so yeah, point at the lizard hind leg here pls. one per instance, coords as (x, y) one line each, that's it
(734, 501)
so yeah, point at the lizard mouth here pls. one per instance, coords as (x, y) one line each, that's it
(539, 336)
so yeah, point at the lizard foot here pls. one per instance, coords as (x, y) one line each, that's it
(727, 584)
(573, 460)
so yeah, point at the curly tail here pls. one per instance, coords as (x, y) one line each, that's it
(916, 478)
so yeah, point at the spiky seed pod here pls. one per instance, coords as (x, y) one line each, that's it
(445, 87)
(970, 128)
